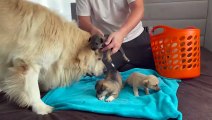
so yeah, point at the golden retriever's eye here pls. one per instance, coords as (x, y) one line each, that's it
(99, 58)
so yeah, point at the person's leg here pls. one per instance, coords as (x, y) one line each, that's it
(138, 51)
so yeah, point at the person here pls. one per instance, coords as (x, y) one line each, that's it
(122, 20)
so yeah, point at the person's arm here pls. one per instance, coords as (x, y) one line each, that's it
(83, 9)
(115, 39)
(86, 24)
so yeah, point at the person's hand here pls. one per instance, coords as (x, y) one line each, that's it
(96, 31)
(114, 42)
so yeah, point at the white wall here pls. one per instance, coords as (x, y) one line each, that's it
(177, 13)
(60, 6)
(208, 40)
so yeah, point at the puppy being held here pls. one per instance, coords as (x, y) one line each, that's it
(97, 42)
(137, 80)
(110, 86)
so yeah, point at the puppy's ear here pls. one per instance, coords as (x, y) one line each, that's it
(92, 38)
(103, 86)
(146, 83)
(106, 36)
(100, 85)
(102, 40)
(96, 85)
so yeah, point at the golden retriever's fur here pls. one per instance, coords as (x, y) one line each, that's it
(39, 49)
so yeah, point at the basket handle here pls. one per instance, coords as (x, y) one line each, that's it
(165, 28)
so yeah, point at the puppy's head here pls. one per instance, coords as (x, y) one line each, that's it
(97, 42)
(102, 89)
(91, 61)
(152, 83)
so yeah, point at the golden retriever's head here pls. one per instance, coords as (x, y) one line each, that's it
(91, 61)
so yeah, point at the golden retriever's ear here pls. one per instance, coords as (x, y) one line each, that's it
(82, 57)
(20, 63)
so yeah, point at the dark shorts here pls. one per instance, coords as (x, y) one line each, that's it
(138, 51)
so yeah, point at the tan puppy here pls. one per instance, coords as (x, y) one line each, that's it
(137, 80)
(110, 86)
(40, 50)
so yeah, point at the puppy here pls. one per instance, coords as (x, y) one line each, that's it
(110, 86)
(97, 42)
(137, 80)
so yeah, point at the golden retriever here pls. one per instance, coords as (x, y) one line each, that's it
(39, 51)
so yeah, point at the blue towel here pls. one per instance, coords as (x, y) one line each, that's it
(81, 96)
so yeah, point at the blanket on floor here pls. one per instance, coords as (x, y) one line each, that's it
(81, 96)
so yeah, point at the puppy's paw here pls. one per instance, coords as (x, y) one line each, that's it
(109, 99)
(42, 108)
(101, 98)
(126, 59)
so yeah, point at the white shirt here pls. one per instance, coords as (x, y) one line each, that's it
(108, 15)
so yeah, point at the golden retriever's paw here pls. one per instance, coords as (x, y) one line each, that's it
(109, 99)
(42, 109)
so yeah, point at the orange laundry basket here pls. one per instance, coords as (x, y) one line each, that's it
(176, 51)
